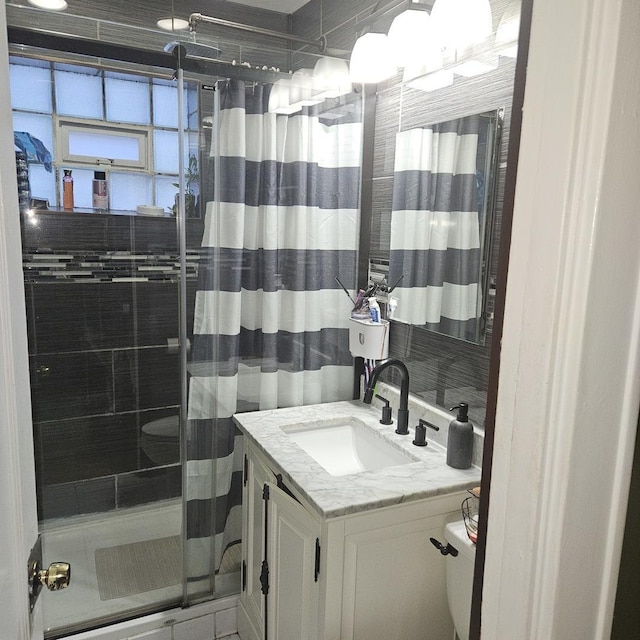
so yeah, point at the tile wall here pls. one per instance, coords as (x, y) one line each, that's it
(102, 303)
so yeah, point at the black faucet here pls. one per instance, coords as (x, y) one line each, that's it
(403, 411)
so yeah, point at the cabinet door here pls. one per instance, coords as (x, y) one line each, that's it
(394, 585)
(293, 556)
(252, 598)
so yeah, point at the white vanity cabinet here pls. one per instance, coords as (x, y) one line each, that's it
(367, 575)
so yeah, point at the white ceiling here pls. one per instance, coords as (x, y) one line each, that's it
(284, 6)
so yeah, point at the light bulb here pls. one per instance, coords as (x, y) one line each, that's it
(331, 78)
(279, 99)
(409, 35)
(461, 23)
(372, 59)
(508, 31)
(301, 92)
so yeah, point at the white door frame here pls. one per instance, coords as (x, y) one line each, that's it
(570, 365)
(18, 519)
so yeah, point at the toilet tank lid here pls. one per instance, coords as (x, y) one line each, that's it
(455, 534)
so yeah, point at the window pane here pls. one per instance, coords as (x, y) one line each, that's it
(165, 151)
(166, 191)
(30, 88)
(42, 183)
(40, 127)
(165, 105)
(104, 145)
(128, 190)
(192, 107)
(78, 94)
(127, 100)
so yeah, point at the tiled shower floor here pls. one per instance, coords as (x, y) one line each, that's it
(75, 540)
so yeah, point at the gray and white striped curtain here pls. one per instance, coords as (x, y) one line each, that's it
(435, 227)
(270, 320)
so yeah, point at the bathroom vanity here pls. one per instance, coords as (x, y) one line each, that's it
(334, 552)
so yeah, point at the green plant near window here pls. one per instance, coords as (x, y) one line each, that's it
(191, 178)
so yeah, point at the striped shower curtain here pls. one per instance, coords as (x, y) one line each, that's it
(271, 321)
(435, 227)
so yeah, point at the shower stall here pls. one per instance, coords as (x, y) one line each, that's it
(208, 287)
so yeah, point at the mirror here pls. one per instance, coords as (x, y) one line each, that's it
(444, 180)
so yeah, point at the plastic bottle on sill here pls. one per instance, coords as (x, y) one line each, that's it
(67, 190)
(100, 193)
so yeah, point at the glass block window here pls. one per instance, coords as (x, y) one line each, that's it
(31, 87)
(128, 98)
(165, 194)
(128, 190)
(90, 119)
(79, 92)
(43, 183)
(165, 105)
(38, 125)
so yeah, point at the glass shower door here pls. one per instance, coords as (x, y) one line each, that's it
(103, 290)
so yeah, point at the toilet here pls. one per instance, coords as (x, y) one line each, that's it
(459, 571)
(160, 440)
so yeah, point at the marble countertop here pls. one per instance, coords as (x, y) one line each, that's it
(334, 496)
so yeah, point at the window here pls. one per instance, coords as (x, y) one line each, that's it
(123, 123)
(103, 144)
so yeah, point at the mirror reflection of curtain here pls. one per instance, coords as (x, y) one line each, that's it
(271, 322)
(435, 227)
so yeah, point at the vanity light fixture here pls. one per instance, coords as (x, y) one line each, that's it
(51, 5)
(476, 66)
(279, 99)
(331, 78)
(173, 24)
(301, 91)
(410, 36)
(372, 59)
(508, 30)
(417, 78)
(461, 23)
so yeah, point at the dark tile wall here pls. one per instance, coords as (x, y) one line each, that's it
(102, 301)
(442, 370)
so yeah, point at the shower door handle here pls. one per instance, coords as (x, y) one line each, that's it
(56, 577)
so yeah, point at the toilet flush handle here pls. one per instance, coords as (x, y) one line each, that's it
(445, 551)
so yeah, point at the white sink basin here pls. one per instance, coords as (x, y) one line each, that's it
(343, 447)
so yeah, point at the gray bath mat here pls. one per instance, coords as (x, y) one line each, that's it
(144, 566)
(138, 567)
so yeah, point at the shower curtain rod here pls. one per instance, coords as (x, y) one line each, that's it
(320, 43)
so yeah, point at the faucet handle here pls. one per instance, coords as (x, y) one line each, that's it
(421, 432)
(386, 411)
(428, 424)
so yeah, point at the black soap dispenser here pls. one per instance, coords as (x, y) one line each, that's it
(460, 439)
